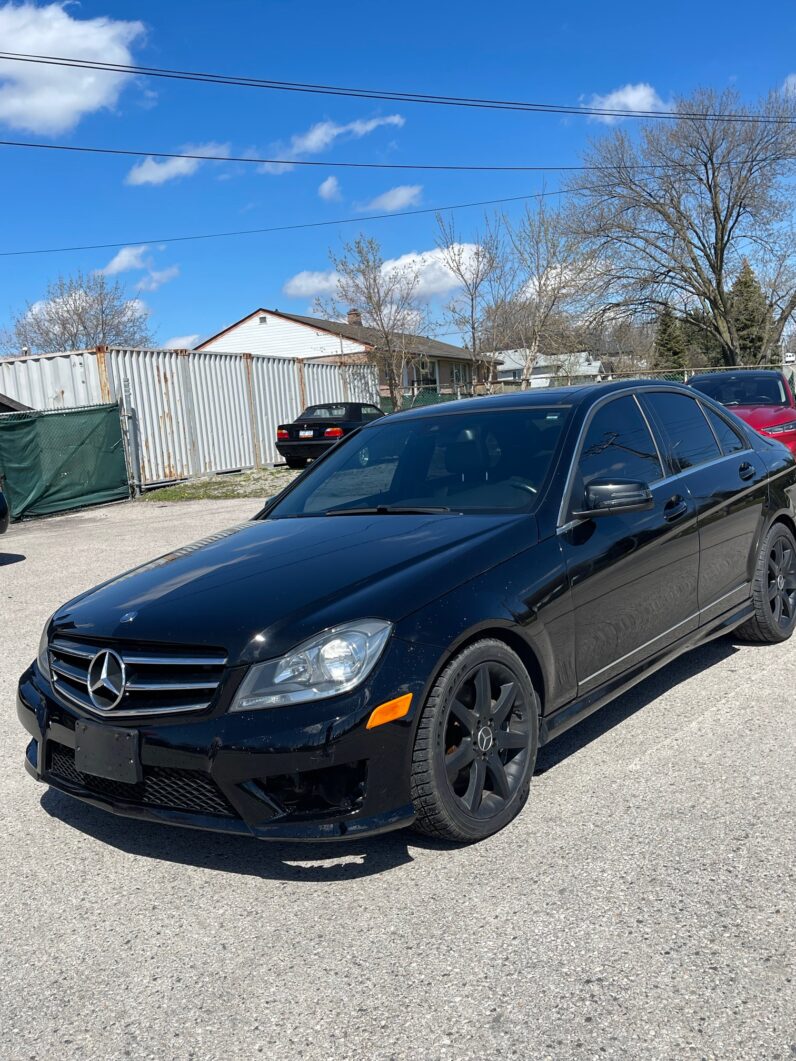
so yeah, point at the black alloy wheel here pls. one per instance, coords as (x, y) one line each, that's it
(773, 589)
(476, 745)
(782, 582)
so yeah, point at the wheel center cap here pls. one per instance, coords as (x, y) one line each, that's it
(485, 739)
(780, 582)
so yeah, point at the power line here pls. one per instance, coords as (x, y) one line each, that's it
(383, 94)
(202, 157)
(279, 228)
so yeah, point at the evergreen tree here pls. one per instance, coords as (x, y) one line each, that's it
(702, 348)
(669, 342)
(752, 316)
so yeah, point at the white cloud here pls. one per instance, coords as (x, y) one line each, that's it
(181, 342)
(640, 97)
(330, 189)
(435, 277)
(323, 135)
(156, 278)
(307, 284)
(154, 171)
(126, 259)
(396, 198)
(789, 85)
(53, 99)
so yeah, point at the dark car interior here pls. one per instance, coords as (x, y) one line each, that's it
(476, 462)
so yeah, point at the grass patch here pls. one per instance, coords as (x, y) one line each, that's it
(255, 484)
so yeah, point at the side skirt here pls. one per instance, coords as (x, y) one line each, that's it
(567, 716)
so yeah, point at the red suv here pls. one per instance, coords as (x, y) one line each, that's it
(763, 399)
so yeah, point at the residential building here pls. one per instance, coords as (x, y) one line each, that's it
(580, 367)
(431, 364)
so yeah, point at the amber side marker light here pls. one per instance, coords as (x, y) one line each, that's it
(388, 712)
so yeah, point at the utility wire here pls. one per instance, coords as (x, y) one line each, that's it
(384, 94)
(278, 228)
(202, 157)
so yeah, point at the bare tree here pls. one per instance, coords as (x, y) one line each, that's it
(476, 266)
(554, 278)
(672, 215)
(387, 298)
(79, 312)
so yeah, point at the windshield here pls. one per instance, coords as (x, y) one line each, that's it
(744, 390)
(493, 461)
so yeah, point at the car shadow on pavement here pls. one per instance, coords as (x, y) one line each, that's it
(615, 712)
(271, 860)
(11, 558)
(353, 858)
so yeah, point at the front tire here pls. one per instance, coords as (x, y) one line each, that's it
(476, 744)
(773, 589)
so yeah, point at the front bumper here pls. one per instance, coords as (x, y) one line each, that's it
(310, 772)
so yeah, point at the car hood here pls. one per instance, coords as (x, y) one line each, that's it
(258, 589)
(762, 416)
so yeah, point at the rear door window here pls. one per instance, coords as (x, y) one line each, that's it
(729, 437)
(685, 431)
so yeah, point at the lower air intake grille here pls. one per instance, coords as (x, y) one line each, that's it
(185, 790)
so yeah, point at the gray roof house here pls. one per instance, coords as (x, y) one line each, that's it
(433, 364)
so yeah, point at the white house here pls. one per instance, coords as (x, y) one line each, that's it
(436, 365)
(578, 367)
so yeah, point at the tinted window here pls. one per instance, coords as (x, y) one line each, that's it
(688, 437)
(617, 445)
(729, 438)
(743, 389)
(466, 462)
(325, 412)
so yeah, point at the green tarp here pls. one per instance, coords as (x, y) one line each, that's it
(53, 461)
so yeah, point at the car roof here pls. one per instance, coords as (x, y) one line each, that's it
(584, 394)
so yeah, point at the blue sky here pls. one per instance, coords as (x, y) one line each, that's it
(553, 53)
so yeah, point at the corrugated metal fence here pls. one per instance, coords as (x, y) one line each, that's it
(188, 413)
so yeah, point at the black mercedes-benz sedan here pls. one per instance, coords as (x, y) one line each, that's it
(390, 640)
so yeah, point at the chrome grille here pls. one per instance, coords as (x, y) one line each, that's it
(159, 680)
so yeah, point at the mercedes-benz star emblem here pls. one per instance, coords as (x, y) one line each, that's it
(106, 679)
(485, 739)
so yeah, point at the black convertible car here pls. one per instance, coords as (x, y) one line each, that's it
(319, 428)
(393, 637)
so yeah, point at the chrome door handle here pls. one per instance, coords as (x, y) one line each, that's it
(746, 471)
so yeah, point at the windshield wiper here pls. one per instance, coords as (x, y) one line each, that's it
(386, 510)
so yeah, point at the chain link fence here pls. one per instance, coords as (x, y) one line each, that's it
(430, 396)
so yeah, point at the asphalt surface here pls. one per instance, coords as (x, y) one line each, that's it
(642, 906)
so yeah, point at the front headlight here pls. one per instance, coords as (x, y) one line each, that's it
(331, 663)
(43, 657)
(780, 429)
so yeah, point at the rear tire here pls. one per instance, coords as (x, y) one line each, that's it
(773, 589)
(296, 463)
(475, 746)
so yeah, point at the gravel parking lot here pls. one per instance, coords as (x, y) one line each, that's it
(640, 907)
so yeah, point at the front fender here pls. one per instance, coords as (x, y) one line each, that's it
(526, 601)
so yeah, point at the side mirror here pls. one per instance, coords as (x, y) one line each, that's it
(610, 497)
